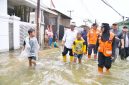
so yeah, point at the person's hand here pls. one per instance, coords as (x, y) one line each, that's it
(117, 38)
(73, 53)
(84, 53)
(113, 58)
(122, 47)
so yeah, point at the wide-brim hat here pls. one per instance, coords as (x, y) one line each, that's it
(72, 24)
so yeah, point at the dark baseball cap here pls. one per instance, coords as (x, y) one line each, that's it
(125, 27)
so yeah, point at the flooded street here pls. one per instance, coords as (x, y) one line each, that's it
(50, 70)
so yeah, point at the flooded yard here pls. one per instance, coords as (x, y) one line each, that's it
(50, 70)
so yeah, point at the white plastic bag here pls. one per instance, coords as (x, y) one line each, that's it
(23, 56)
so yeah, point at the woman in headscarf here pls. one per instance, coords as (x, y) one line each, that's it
(105, 48)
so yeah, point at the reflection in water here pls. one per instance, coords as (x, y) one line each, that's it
(50, 70)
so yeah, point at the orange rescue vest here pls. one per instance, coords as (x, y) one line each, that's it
(92, 36)
(106, 47)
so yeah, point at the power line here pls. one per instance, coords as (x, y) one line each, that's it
(105, 2)
(86, 8)
(123, 17)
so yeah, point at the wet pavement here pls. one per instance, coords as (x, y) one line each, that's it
(50, 70)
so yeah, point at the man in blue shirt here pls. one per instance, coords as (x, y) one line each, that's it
(84, 34)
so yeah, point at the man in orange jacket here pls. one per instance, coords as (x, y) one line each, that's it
(105, 45)
(92, 39)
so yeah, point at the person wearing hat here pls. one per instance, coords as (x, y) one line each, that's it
(124, 53)
(118, 40)
(92, 39)
(67, 42)
(105, 45)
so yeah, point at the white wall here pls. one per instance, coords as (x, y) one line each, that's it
(16, 31)
(3, 7)
(4, 33)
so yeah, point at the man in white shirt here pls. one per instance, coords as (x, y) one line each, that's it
(67, 42)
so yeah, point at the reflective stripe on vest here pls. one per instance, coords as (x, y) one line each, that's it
(106, 47)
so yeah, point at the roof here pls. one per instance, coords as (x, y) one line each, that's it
(32, 4)
(62, 14)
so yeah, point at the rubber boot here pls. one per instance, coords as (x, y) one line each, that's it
(71, 59)
(64, 59)
(95, 57)
(100, 70)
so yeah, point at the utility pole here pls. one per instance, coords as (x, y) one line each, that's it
(95, 21)
(37, 19)
(70, 11)
(123, 20)
(85, 22)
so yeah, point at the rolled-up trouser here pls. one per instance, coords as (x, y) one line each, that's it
(66, 51)
(104, 61)
(116, 54)
(92, 47)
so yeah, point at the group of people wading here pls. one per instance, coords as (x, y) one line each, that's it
(106, 43)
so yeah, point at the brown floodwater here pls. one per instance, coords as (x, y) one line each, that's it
(50, 70)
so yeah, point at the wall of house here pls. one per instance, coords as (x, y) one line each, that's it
(4, 31)
(64, 22)
(16, 31)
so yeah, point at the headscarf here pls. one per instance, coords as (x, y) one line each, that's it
(106, 33)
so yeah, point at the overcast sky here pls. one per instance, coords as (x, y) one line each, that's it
(92, 9)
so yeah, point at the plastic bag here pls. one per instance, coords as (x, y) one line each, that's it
(23, 56)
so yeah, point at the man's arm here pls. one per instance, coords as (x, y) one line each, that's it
(64, 38)
(88, 38)
(97, 44)
(113, 47)
(121, 40)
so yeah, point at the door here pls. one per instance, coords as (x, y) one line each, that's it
(11, 43)
(61, 32)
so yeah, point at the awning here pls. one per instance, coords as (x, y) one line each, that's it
(41, 6)
(30, 3)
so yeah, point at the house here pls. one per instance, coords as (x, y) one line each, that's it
(15, 20)
(63, 21)
(17, 16)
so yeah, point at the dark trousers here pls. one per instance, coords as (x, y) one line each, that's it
(90, 48)
(124, 53)
(104, 61)
(66, 51)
